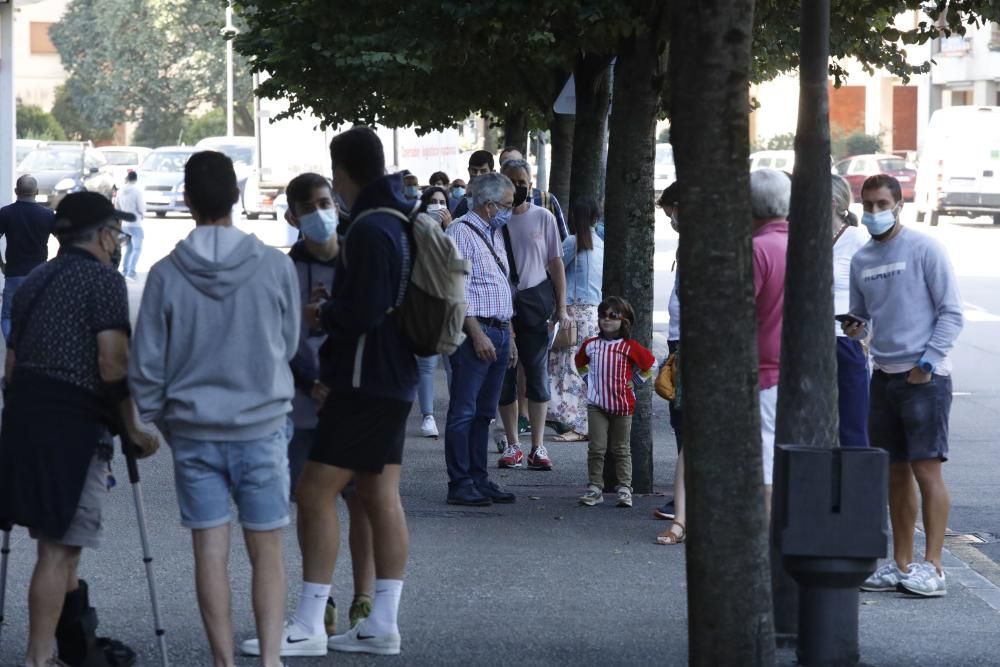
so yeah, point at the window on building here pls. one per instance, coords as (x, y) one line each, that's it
(995, 36)
(961, 98)
(39, 39)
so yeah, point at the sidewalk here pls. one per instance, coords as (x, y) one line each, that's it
(540, 582)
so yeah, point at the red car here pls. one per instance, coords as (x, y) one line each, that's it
(859, 167)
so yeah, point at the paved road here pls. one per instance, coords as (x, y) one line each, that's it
(545, 582)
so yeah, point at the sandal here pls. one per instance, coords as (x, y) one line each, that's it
(670, 537)
(571, 436)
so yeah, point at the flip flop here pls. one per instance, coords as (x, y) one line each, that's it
(571, 436)
(669, 537)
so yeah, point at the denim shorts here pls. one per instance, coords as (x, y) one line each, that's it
(533, 357)
(254, 473)
(909, 420)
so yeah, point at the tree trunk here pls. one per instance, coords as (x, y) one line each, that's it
(489, 135)
(807, 394)
(593, 97)
(629, 217)
(515, 130)
(727, 538)
(562, 158)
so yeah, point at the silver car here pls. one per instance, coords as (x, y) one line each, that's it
(161, 177)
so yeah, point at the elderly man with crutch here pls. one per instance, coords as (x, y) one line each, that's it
(66, 367)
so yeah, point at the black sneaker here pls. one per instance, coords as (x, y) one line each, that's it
(666, 512)
(495, 492)
(468, 495)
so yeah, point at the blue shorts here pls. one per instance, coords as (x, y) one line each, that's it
(254, 473)
(910, 421)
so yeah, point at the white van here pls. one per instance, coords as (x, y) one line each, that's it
(959, 164)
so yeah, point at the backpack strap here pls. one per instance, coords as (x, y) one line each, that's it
(489, 246)
(515, 277)
(408, 229)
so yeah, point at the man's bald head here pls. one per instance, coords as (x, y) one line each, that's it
(26, 187)
(510, 153)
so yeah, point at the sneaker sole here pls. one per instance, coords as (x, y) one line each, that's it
(665, 516)
(365, 648)
(880, 589)
(466, 503)
(509, 465)
(542, 468)
(921, 594)
(431, 435)
(591, 503)
(291, 652)
(624, 504)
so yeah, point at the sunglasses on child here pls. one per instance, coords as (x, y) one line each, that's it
(611, 315)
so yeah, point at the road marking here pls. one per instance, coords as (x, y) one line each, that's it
(974, 313)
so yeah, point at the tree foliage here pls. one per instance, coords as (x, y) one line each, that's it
(66, 110)
(151, 61)
(35, 123)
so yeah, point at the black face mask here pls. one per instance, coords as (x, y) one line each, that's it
(116, 256)
(520, 195)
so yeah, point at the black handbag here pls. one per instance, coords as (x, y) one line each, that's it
(533, 306)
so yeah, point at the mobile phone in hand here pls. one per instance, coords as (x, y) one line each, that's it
(847, 318)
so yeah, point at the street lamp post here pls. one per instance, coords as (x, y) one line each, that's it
(229, 32)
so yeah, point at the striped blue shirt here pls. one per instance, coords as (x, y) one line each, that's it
(487, 287)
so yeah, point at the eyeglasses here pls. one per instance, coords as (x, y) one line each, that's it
(611, 315)
(123, 237)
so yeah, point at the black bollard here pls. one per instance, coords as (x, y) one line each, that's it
(831, 528)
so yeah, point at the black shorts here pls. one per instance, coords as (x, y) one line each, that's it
(360, 433)
(910, 421)
(533, 358)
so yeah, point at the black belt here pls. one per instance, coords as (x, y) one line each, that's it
(493, 322)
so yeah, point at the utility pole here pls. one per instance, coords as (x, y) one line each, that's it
(8, 129)
(229, 33)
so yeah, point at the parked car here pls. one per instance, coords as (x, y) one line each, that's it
(23, 148)
(959, 172)
(123, 159)
(857, 168)
(256, 197)
(780, 160)
(664, 172)
(161, 176)
(62, 167)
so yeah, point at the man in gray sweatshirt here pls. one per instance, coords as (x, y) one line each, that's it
(218, 326)
(904, 291)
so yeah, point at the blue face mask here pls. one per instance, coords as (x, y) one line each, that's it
(501, 218)
(319, 225)
(412, 191)
(458, 193)
(879, 223)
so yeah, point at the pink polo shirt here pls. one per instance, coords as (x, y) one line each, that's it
(770, 246)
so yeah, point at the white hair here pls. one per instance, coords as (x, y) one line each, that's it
(489, 188)
(770, 193)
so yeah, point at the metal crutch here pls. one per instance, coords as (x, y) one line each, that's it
(128, 449)
(4, 554)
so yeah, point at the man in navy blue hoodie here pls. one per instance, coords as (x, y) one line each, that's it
(371, 372)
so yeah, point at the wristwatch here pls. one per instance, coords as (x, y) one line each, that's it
(925, 366)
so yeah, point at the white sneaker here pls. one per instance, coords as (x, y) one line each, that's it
(429, 428)
(294, 643)
(885, 578)
(624, 496)
(924, 580)
(592, 496)
(357, 640)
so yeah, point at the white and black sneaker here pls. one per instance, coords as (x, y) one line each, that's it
(295, 642)
(624, 496)
(592, 496)
(925, 581)
(358, 640)
(886, 578)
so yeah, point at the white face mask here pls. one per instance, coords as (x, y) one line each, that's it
(434, 208)
(319, 225)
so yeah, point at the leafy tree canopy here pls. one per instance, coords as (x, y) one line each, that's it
(35, 123)
(145, 59)
(431, 64)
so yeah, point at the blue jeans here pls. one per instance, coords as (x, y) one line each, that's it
(9, 288)
(852, 385)
(132, 249)
(475, 394)
(425, 388)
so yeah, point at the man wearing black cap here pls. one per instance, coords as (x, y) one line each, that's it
(27, 226)
(66, 391)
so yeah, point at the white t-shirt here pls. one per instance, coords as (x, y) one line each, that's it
(843, 250)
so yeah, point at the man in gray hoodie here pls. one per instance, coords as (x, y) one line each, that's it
(218, 325)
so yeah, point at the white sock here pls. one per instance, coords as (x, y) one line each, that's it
(385, 607)
(312, 604)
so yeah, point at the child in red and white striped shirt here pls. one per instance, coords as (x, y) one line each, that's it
(610, 364)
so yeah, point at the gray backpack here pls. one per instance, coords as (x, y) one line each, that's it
(431, 309)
